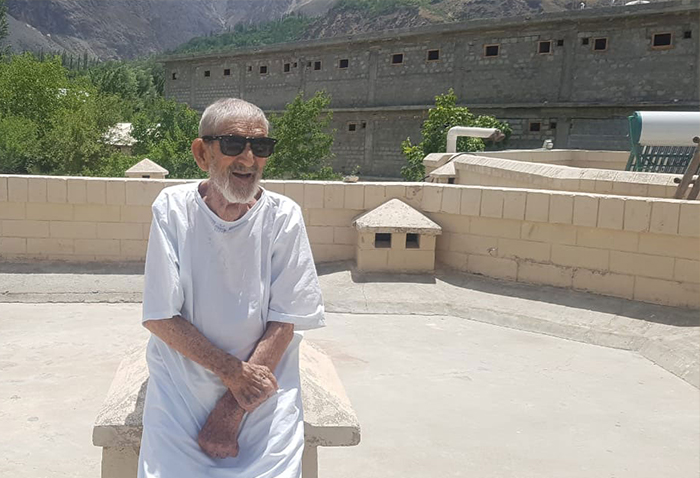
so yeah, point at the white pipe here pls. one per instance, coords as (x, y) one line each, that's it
(485, 133)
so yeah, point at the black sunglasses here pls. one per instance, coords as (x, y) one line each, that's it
(233, 145)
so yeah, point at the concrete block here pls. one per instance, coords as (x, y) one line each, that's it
(411, 260)
(96, 191)
(313, 195)
(77, 191)
(689, 221)
(345, 235)
(141, 214)
(50, 247)
(25, 228)
(133, 249)
(549, 274)
(105, 247)
(274, 186)
(427, 243)
(96, 213)
(451, 260)
(664, 217)
(493, 267)
(514, 205)
(585, 211)
(414, 196)
(611, 213)
(332, 252)
(396, 192)
(36, 190)
(17, 189)
(553, 233)
(687, 271)
(332, 217)
(573, 256)
(334, 196)
(561, 209)
(320, 234)
(119, 462)
(606, 283)
(492, 203)
(603, 186)
(607, 239)
(485, 226)
(372, 260)
(537, 207)
(50, 212)
(354, 196)
(471, 202)
(3, 189)
(637, 215)
(365, 241)
(671, 246)
(57, 190)
(519, 249)
(451, 199)
(11, 210)
(295, 191)
(658, 291)
(641, 264)
(451, 222)
(473, 244)
(73, 230)
(13, 245)
(442, 242)
(432, 197)
(375, 195)
(142, 192)
(112, 230)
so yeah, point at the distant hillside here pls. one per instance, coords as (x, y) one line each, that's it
(116, 29)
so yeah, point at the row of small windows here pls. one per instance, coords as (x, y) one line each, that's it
(659, 41)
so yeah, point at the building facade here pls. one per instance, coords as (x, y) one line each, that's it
(572, 77)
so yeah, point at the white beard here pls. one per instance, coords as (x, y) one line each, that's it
(233, 193)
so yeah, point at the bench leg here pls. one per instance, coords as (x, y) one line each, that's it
(309, 462)
(119, 462)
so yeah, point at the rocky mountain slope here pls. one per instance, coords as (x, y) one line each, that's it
(110, 29)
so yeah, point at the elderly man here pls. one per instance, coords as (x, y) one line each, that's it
(229, 280)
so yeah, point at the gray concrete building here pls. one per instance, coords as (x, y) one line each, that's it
(572, 77)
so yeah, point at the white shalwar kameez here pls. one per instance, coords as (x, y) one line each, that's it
(229, 279)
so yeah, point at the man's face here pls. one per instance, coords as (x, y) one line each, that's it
(237, 177)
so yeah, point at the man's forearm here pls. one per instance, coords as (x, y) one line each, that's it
(185, 338)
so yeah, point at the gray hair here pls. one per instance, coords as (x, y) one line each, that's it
(227, 109)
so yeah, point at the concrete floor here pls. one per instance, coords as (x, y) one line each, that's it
(435, 395)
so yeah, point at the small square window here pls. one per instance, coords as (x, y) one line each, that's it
(146, 176)
(296, 64)
(343, 63)
(250, 68)
(450, 180)
(352, 126)
(552, 125)
(263, 70)
(227, 72)
(433, 55)
(600, 44)
(174, 76)
(687, 34)
(535, 126)
(207, 73)
(317, 65)
(397, 58)
(661, 40)
(382, 240)
(585, 41)
(364, 125)
(544, 47)
(560, 42)
(492, 50)
(308, 64)
(412, 241)
(287, 67)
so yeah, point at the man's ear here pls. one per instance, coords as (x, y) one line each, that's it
(199, 151)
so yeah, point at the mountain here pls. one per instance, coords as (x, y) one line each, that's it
(122, 29)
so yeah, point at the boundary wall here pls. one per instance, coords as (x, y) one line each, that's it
(636, 248)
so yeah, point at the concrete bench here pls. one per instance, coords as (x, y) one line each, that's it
(329, 419)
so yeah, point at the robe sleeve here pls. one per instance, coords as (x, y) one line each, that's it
(295, 294)
(163, 296)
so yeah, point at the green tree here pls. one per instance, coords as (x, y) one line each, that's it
(441, 118)
(303, 140)
(18, 144)
(4, 28)
(165, 131)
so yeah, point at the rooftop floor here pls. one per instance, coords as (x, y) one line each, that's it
(445, 372)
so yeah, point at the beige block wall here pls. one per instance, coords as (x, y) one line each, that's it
(638, 248)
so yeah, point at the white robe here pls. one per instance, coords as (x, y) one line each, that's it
(228, 279)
